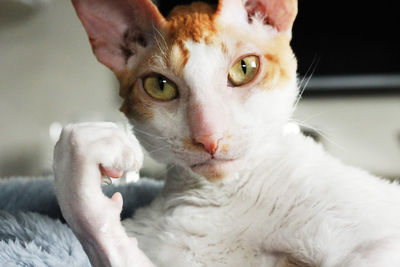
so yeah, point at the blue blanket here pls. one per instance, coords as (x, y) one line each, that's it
(33, 231)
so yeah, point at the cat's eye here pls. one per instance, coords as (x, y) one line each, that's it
(160, 88)
(244, 70)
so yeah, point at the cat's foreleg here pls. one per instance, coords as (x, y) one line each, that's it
(82, 154)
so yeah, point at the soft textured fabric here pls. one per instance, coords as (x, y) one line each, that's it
(31, 228)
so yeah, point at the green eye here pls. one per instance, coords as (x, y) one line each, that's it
(160, 88)
(244, 70)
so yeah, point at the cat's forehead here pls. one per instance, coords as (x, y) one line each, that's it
(192, 22)
(196, 26)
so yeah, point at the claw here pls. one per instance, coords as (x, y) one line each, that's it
(106, 173)
(105, 179)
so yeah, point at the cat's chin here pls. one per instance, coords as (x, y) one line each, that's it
(215, 169)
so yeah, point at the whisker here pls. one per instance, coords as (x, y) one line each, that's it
(313, 66)
(158, 149)
(165, 172)
(162, 46)
(321, 133)
(146, 143)
(308, 70)
(162, 36)
(149, 134)
(314, 116)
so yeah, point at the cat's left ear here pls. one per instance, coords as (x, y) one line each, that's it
(278, 13)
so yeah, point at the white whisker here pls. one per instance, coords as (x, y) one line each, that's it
(306, 120)
(313, 66)
(158, 149)
(162, 46)
(320, 132)
(150, 134)
(165, 172)
(162, 36)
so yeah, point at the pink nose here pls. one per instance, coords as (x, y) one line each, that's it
(209, 142)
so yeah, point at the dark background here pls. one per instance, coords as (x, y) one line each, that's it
(344, 37)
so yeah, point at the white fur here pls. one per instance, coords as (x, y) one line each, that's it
(295, 201)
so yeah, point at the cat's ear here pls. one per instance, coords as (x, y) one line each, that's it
(278, 13)
(118, 30)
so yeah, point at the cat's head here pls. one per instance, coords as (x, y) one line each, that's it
(208, 87)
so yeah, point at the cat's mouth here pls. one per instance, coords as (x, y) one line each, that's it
(211, 161)
(214, 168)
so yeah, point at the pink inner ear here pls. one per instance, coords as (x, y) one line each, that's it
(116, 27)
(277, 13)
(106, 39)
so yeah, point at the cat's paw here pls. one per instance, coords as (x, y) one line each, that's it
(84, 153)
(101, 143)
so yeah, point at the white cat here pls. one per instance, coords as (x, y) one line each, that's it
(209, 91)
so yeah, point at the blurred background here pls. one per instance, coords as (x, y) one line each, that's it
(351, 104)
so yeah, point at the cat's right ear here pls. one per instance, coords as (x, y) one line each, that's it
(279, 14)
(119, 30)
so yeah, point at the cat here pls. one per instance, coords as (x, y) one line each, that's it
(209, 90)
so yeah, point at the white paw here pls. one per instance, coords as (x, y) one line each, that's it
(101, 143)
(84, 152)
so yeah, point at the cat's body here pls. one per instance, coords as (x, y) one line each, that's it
(209, 91)
(296, 204)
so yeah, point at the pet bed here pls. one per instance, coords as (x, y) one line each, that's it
(33, 231)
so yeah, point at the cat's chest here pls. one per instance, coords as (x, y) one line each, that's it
(193, 236)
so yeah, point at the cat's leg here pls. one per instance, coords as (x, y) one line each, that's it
(83, 152)
(382, 253)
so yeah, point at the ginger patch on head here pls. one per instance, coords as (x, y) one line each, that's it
(178, 57)
(188, 23)
(193, 22)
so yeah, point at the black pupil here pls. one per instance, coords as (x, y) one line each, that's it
(161, 82)
(244, 66)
